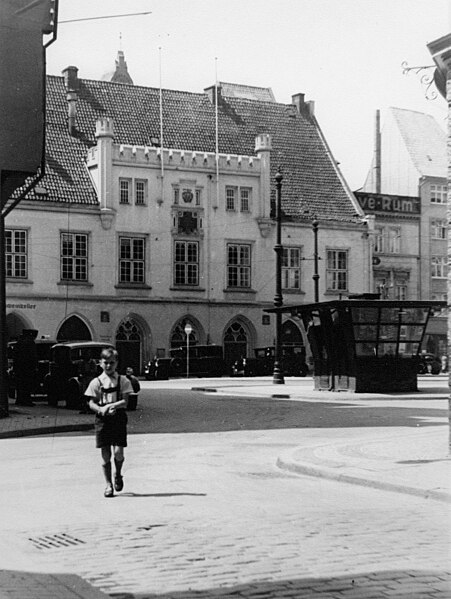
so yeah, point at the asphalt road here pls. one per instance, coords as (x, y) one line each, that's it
(205, 512)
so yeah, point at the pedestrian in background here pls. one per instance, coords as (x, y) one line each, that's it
(133, 398)
(133, 380)
(108, 397)
(25, 365)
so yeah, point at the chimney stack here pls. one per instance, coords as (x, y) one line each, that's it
(298, 101)
(211, 93)
(71, 83)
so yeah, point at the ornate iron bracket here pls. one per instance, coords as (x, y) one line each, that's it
(426, 78)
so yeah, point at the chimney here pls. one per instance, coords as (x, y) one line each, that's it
(212, 93)
(311, 107)
(298, 101)
(71, 83)
(377, 152)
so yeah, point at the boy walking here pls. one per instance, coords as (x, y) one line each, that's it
(108, 396)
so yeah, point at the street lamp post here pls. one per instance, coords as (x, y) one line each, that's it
(315, 259)
(188, 331)
(278, 300)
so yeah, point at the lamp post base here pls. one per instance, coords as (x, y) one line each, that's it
(277, 377)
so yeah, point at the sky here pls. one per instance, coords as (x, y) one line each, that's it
(345, 55)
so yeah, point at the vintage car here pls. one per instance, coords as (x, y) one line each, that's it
(262, 364)
(429, 364)
(73, 365)
(197, 360)
(43, 348)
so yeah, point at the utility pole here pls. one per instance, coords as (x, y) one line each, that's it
(278, 378)
(23, 25)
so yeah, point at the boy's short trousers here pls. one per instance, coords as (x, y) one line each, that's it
(111, 430)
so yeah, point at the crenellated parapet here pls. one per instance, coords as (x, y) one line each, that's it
(145, 156)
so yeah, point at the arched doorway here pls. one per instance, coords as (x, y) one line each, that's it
(235, 343)
(178, 337)
(73, 329)
(291, 335)
(128, 345)
(15, 325)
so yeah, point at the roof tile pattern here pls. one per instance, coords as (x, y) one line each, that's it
(425, 141)
(311, 186)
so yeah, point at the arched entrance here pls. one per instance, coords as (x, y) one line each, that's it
(15, 325)
(128, 344)
(178, 337)
(235, 343)
(291, 335)
(73, 329)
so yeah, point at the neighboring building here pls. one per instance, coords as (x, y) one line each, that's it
(157, 210)
(406, 191)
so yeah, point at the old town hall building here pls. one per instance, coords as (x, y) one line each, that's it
(157, 210)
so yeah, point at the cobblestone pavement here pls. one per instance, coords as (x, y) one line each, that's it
(210, 515)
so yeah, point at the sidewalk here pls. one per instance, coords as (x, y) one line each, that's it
(418, 462)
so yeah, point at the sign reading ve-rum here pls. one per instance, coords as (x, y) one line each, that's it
(375, 202)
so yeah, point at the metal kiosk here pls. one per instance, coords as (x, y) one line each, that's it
(365, 345)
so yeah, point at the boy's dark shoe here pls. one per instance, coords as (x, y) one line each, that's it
(118, 482)
(109, 490)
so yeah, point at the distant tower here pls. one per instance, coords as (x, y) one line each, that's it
(121, 74)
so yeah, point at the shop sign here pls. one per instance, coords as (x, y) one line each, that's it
(372, 202)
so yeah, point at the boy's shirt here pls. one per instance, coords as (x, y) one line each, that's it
(103, 389)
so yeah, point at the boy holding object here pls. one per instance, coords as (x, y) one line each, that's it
(108, 397)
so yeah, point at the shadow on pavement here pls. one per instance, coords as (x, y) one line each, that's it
(131, 494)
(404, 584)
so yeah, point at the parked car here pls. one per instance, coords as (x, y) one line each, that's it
(202, 360)
(429, 364)
(293, 362)
(43, 348)
(73, 365)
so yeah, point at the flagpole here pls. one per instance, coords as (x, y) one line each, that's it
(216, 132)
(161, 131)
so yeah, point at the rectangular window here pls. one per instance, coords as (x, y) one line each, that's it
(291, 268)
(400, 291)
(238, 265)
(245, 199)
(140, 192)
(198, 197)
(231, 198)
(176, 192)
(124, 191)
(74, 257)
(394, 240)
(438, 229)
(442, 297)
(439, 194)
(337, 270)
(132, 252)
(186, 263)
(378, 239)
(439, 267)
(16, 253)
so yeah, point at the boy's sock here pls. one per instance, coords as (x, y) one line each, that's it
(107, 472)
(118, 465)
(118, 482)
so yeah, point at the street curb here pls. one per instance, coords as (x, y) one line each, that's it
(242, 395)
(286, 462)
(46, 430)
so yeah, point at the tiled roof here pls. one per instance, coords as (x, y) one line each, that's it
(424, 140)
(311, 181)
